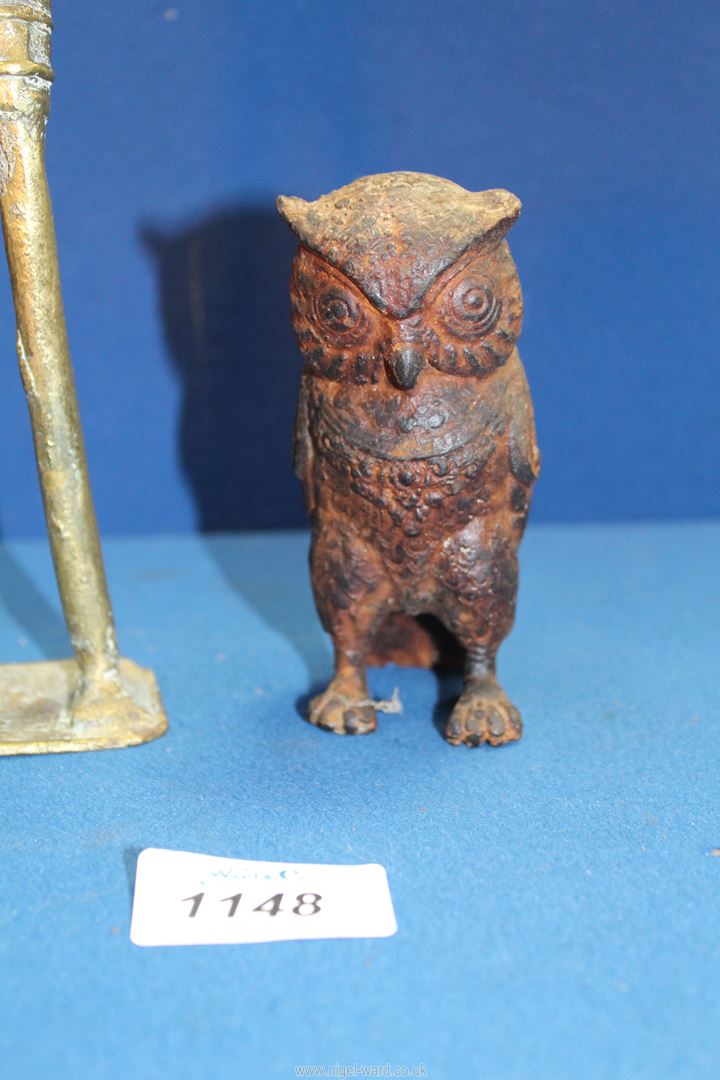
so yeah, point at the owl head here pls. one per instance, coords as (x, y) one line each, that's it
(402, 275)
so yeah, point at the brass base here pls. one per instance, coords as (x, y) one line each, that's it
(42, 713)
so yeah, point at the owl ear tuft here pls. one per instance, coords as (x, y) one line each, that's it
(294, 210)
(499, 208)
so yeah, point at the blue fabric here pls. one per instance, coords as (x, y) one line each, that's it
(557, 900)
(175, 124)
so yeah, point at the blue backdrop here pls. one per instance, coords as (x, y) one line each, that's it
(172, 129)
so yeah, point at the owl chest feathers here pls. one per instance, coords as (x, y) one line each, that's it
(410, 463)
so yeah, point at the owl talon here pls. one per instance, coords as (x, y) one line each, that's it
(339, 713)
(483, 714)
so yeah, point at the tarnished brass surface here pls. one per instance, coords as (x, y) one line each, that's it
(101, 694)
(37, 715)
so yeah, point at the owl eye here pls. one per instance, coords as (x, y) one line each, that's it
(336, 310)
(471, 308)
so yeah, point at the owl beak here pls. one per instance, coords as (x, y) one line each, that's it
(403, 367)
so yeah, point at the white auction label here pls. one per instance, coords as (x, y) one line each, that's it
(187, 899)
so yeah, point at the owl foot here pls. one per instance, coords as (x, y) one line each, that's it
(342, 709)
(483, 713)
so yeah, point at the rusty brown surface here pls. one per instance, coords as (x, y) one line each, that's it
(415, 438)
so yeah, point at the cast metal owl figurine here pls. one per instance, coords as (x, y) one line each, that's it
(415, 436)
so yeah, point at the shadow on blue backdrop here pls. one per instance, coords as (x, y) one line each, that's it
(223, 298)
(29, 608)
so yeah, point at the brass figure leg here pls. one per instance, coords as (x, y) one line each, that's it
(98, 700)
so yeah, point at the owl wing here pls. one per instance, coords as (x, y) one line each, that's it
(522, 444)
(303, 448)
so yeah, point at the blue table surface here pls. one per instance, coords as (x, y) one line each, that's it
(558, 900)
